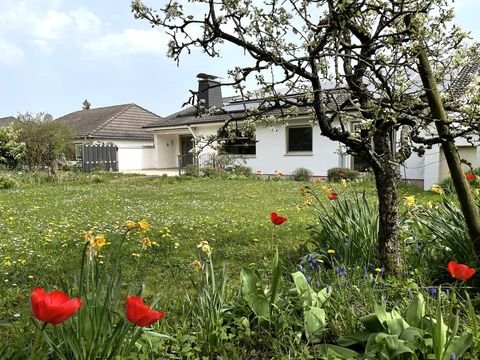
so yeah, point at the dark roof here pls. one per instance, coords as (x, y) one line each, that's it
(234, 108)
(112, 122)
(463, 78)
(5, 121)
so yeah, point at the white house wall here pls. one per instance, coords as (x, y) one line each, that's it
(133, 154)
(272, 156)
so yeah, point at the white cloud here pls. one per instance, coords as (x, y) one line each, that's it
(129, 41)
(48, 26)
(53, 26)
(10, 54)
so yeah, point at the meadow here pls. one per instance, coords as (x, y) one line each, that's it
(212, 311)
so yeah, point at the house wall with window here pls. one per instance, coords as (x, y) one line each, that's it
(284, 148)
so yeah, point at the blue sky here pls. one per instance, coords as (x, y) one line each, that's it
(56, 53)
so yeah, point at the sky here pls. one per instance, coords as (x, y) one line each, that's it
(54, 54)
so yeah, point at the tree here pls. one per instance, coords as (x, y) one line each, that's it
(11, 148)
(366, 49)
(47, 142)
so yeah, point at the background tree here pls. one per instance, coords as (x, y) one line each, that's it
(361, 56)
(47, 142)
(11, 147)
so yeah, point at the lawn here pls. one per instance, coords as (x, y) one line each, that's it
(41, 244)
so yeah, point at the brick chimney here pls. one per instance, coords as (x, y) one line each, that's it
(209, 90)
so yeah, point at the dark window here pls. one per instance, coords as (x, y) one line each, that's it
(299, 138)
(238, 145)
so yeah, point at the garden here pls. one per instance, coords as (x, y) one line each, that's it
(110, 266)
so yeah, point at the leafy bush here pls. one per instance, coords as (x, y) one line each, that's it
(242, 170)
(7, 181)
(11, 148)
(190, 170)
(336, 174)
(301, 174)
(209, 171)
(348, 225)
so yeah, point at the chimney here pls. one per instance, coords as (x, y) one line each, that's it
(209, 90)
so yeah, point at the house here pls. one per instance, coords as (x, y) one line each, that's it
(121, 125)
(7, 121)
(277, 146)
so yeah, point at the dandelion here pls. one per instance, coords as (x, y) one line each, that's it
(331, 251)
(378, 270)
(135, 254)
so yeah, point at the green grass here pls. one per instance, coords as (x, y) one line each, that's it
(41, 226)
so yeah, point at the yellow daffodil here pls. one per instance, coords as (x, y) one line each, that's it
(144, 225)
(130, 225)
(343, 182)
(205, 247)
(98, 242)
(197, 265)
(437, 189)
(146, 242)
(409, 200)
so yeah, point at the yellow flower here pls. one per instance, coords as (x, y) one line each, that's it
(135, 254)
(476, 192)
(87, 235)
(437, 189)
(197, 265)
(176, 245)
(205, 247)
(146, 242)
(378, 270)
(144, 225)
(409, 200)
(343, 182)
(130, 225)
(98, 242)
(331, 251)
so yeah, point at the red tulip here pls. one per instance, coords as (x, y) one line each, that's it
(332, 196)
(470, 176)
(277, 219)
(140, 314)
(54, 307)
(460, 271)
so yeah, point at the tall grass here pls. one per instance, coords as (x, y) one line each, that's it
(348, 225)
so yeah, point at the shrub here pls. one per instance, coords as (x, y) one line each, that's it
(209, 171)
(242, 170)
(301, 174)
(190, 170)
(7, 181)
(336, 174)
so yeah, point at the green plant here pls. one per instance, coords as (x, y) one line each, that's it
(11, 148)
(337, 174)
(7, 181)
(312, 301)
(446, 226)
(349, 225)
(261, 300)
(208, 306)
(388, 335)
(301, 174)
(190, 170)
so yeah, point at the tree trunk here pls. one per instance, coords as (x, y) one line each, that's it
(467, 203)
(385, 171)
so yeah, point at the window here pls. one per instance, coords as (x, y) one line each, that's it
(238, 144)
(299, 138)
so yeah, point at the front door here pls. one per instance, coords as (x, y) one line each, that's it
(186, 145)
